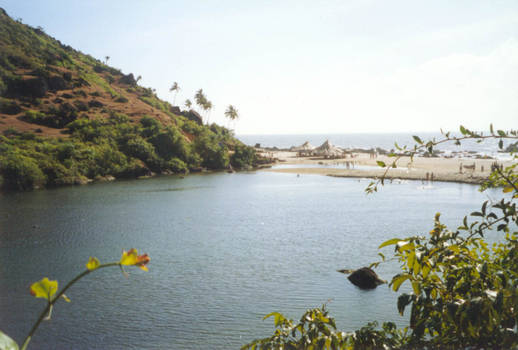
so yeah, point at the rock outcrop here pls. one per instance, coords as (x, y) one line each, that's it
(128, 80)
(194, 116)
(364, 278)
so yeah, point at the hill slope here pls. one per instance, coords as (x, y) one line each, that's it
(66, 117)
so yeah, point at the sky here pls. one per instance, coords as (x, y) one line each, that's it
(299, 67)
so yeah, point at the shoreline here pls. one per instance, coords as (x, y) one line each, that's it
(361, 165)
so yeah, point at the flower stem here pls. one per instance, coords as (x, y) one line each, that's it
(53, 301)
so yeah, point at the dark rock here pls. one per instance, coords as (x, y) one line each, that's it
(176, 110)
(65, 95)
(95, 103)
(57, 83)
(67, 76)
(365, 278)
(194, 116)
(128, 80)
(58, 100)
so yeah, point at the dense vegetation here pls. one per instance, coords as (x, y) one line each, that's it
(68, 118)
(115, 147)
(464, 291)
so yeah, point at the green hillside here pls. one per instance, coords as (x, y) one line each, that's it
(68, 118)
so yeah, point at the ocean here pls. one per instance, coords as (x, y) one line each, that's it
(370, 140)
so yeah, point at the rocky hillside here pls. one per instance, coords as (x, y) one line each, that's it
(66, 117)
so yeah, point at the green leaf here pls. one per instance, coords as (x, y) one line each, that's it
(501, 133)
(44, 288)
(380, 163)
(6, 343)
(491, 129)
(463, 130)
(416, 286)
(398, 280)
(92, 263)
(390, 242)
(417, 139)
(501, 144)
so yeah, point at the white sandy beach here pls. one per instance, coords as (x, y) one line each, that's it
(363, 165)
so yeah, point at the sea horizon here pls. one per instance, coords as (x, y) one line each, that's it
(385, 141)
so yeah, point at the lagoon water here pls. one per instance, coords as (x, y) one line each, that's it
(226, 249)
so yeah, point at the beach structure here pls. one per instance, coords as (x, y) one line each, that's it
(327, 150)
(306, 149)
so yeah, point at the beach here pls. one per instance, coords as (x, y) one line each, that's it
(364, 165)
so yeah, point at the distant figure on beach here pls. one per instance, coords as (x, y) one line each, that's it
(460, 168)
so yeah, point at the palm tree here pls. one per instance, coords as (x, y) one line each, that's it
(209, 107)
(107, 58)
(174, 88)
(231, 113)
(188, 104)
(200, 98)
(138, 78)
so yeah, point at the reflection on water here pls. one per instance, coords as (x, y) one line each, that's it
(225, 249)
(175, 189)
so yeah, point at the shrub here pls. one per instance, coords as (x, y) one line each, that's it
(243, 157)
(121, 99)
(8, 106)
(177, 166)
(20, 173)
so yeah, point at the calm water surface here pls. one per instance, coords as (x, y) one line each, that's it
(226, 249)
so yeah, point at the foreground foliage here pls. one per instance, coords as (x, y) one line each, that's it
(464, 290)
(48, 290)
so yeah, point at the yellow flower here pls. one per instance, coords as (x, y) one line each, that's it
(131, 257)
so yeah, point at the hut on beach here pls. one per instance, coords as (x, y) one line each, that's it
(306, 149)
(328, 150)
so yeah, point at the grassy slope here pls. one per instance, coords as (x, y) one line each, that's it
(66, 117)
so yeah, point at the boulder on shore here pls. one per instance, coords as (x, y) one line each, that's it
(364, 278)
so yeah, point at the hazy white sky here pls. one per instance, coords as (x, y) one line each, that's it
(309, 66)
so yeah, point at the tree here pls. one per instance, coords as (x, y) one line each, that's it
(106, 59)
(201, 100)
(138, 79)
(463, 291)
(188, 104)
(175, 87)
(231, 113)
(207, 107)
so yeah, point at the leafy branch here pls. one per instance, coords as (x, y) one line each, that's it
(47, 290)
(429, 146)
